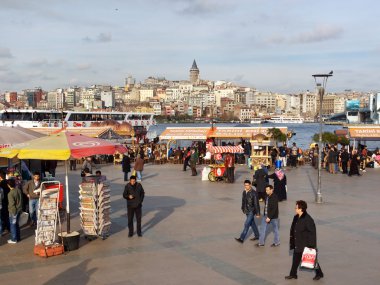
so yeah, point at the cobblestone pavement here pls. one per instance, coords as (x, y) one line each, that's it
(189, 227)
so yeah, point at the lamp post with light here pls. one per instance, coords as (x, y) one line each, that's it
(320, 81)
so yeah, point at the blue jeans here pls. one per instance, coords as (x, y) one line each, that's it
(33, 208)
(125, 176)
(139, 175)
(263, 230)
(249, 222)
(15, 229)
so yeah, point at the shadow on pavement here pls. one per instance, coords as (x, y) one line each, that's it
(78, 274)
(162, 206)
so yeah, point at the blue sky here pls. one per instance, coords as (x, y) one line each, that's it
(271, 45)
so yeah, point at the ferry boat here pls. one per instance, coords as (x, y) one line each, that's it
(29, 118)
(286, 120)
(257, 120)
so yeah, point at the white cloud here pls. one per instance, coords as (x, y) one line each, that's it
(319, 34)
(5, 53)
(101, 38)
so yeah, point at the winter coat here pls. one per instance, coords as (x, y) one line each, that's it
(250, 202)
(14, 201)
(126, 164)
(272, 209)
(137, 191)
(29, 188)
(303, 233)
(260, 179)
(139, 164)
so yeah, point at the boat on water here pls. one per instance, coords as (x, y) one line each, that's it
(257, 120)
(286, 120)
(33, 119)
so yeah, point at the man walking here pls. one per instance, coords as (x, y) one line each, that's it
(134, 194)
(126, 165)
(251, 208)
(302, 234)
(344, 157)
(270, 217)
(193, 162)
(33, 197)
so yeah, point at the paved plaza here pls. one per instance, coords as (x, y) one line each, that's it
(189, 227)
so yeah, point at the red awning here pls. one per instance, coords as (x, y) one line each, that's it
(224, 149)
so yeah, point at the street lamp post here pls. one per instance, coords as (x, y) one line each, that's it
(320, 81)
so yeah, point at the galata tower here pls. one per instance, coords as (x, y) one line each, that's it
(194, 73)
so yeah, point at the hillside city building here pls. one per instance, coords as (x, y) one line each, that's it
(197, 98)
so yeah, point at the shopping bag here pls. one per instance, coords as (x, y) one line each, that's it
(309, 258)
(133, 172)
(23, 220)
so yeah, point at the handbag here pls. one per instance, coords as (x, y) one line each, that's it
(309, 258)
(23, 219)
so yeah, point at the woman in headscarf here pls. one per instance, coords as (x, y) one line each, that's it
(279, 180)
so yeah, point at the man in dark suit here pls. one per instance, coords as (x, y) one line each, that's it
(302, 234)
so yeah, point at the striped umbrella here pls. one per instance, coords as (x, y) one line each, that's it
(62, 146)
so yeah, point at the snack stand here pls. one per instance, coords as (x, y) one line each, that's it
(218, 170)
(259, 138)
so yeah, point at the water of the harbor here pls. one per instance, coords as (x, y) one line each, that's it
(303, 132)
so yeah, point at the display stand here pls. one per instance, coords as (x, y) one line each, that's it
(48, 215)
(95, 208)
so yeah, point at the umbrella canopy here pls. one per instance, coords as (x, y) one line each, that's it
(16, 135)
(61, 146)
(223, 149)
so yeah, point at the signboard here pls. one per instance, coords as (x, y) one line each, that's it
(364, 132)
(352, 105)
(185, 134)
(245, 133)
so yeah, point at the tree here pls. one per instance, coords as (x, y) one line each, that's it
(331, 138)
(277, 135)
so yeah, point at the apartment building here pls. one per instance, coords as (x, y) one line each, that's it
(146, 94)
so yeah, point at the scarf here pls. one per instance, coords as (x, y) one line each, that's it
(280, 174)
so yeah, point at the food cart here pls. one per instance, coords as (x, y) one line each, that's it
(258, 136)
(218, 170)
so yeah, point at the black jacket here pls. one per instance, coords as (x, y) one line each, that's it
(250, 202)
(303, 233)
(137, 191)
(260, 179)
(126, 164)
(272, 207)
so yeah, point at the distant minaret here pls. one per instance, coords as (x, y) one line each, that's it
(194, 73)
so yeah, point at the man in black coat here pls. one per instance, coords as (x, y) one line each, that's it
(126, 165)
(134, 194)
(302, 234)
(250, 207)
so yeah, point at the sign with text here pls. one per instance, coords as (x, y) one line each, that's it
(364, 132)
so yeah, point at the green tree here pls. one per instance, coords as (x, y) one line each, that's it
(277, 135)
(331, 138)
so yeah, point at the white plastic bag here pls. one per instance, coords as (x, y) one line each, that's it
(309, 258)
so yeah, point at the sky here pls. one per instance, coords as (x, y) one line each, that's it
(271, 45)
